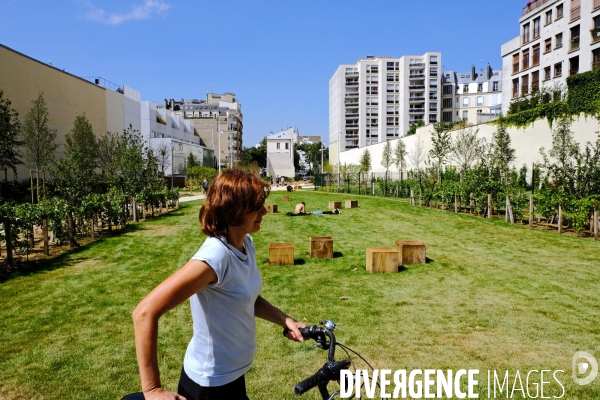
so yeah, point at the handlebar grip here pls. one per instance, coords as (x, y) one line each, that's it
(330, 371)
(304, 331)
(319, 377)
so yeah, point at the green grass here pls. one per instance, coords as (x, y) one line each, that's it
(491, 297)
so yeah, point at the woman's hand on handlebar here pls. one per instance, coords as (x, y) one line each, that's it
(162, 394)
(293, 326)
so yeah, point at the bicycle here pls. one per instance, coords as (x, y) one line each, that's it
(331, 369)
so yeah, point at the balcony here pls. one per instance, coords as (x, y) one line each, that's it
(416, 76)
(416, 65)
(350, 115)
(526, 38)
(416, 87)
(351, 104)
(351, 83)
(575, 13)
(351, 135)
(416, 98)
(574, 44)
(595, 33)
(515, 93)
(351, 94)
(595, 65)
(416, 110)
(433, 97)
(536, 33)
(354, 73)
(415, 120)
(526, 62)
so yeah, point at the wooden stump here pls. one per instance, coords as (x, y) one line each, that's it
(297, 187)
(271, 208)
(286, 198)
(411, 252)
(335, 204)
(281, 254)
(382, 260)
(351, 203)
(321, 247)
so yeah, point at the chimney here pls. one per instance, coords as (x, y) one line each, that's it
(172, 104)
(166, 104)
(473, 72)
(489, 72)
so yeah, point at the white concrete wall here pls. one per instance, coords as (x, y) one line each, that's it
(526, 142)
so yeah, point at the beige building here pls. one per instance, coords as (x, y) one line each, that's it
(280, 153)
(558, 38)
(474, 96)
(217, 121)
(377, 98)
(108, 107)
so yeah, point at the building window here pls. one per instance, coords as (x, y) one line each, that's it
(433, 72)
(447, 103)
(433, 95)
(494, 86)
(465, 101)
(479, 100)
(558, 41)
(574, 38)
(433, 83)
(536, 55)
(447, 116)
(515, 63)
(547, 73)
(447, 89)
(526, 37)
(278, 146)
(390, 77)
(480, 87)
(557, 70)
(465, 115)
(389, 120)
(287, 146)
(574, 65)
(549, 17)
(526, 59)
(595, 58)
(465, 88)
(390, 65)
(515, 88)
(596, 30)
(536, 28)
(432, 117)
(458, 101)
(433, 60)
(548, 46)
(432, 106)
(524, 85)
(559, 11)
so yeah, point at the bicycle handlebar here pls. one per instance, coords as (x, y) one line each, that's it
(329, 371)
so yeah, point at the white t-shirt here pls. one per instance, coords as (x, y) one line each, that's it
(224, 342)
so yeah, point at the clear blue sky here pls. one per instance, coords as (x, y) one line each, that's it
(276, 56)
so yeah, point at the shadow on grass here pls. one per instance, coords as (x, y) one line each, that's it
(402, 268)
(299, 261)
(429, 260)
(338, 254)
(65, 259)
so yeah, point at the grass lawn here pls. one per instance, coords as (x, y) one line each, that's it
(491, 297)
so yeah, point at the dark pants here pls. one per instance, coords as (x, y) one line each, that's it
(189, 389)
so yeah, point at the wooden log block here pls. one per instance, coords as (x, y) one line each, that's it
(351, 203)
(298, 187)
(271, 208)
(335, 204)
(411, 252)
(286, 198)
(382, 260)
(321, 247)
(281, 254)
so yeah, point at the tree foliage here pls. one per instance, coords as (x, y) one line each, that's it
(38, 138)
(387, 157)
(10, 128)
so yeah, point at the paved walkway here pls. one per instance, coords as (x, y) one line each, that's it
(275, 188)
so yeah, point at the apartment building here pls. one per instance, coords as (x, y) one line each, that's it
(474, 96)
(280, 153)
(377, 99)
(217, 121)
(558, 38)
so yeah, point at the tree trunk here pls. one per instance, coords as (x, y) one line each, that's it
(109, 208)
(9, 249)
(455, 203)
(71, 224)
(412, 197)
(559, 218)
(596, 223)
(506, 208)
(489, 206)
(45, 235)
(471, 203)
(134, 209)
(531, 211)
(92, 228)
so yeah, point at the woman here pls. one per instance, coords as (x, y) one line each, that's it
(223, 284)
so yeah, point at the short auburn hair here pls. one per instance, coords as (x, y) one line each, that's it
(232, 195)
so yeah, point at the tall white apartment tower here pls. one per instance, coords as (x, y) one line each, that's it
(377, 98)
(558, 38)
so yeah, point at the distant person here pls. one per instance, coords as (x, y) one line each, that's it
(204, 186)
(290, 188)
(277, 180)
(318, 212)
(300, 209)
(282, 181)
